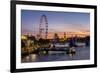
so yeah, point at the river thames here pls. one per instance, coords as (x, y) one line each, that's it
(82, 53)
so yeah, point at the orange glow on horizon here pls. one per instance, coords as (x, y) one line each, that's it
(68, 34)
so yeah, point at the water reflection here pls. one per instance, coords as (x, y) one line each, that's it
(29, 58)
(81, 54)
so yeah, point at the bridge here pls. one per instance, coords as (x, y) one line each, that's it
(62, 48)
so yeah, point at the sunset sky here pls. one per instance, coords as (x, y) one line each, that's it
(58, 22)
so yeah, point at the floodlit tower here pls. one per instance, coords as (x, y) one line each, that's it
(64, 35)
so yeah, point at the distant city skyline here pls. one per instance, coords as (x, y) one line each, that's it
(58, 22)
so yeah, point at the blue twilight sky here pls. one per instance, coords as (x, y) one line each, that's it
(57, 21)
